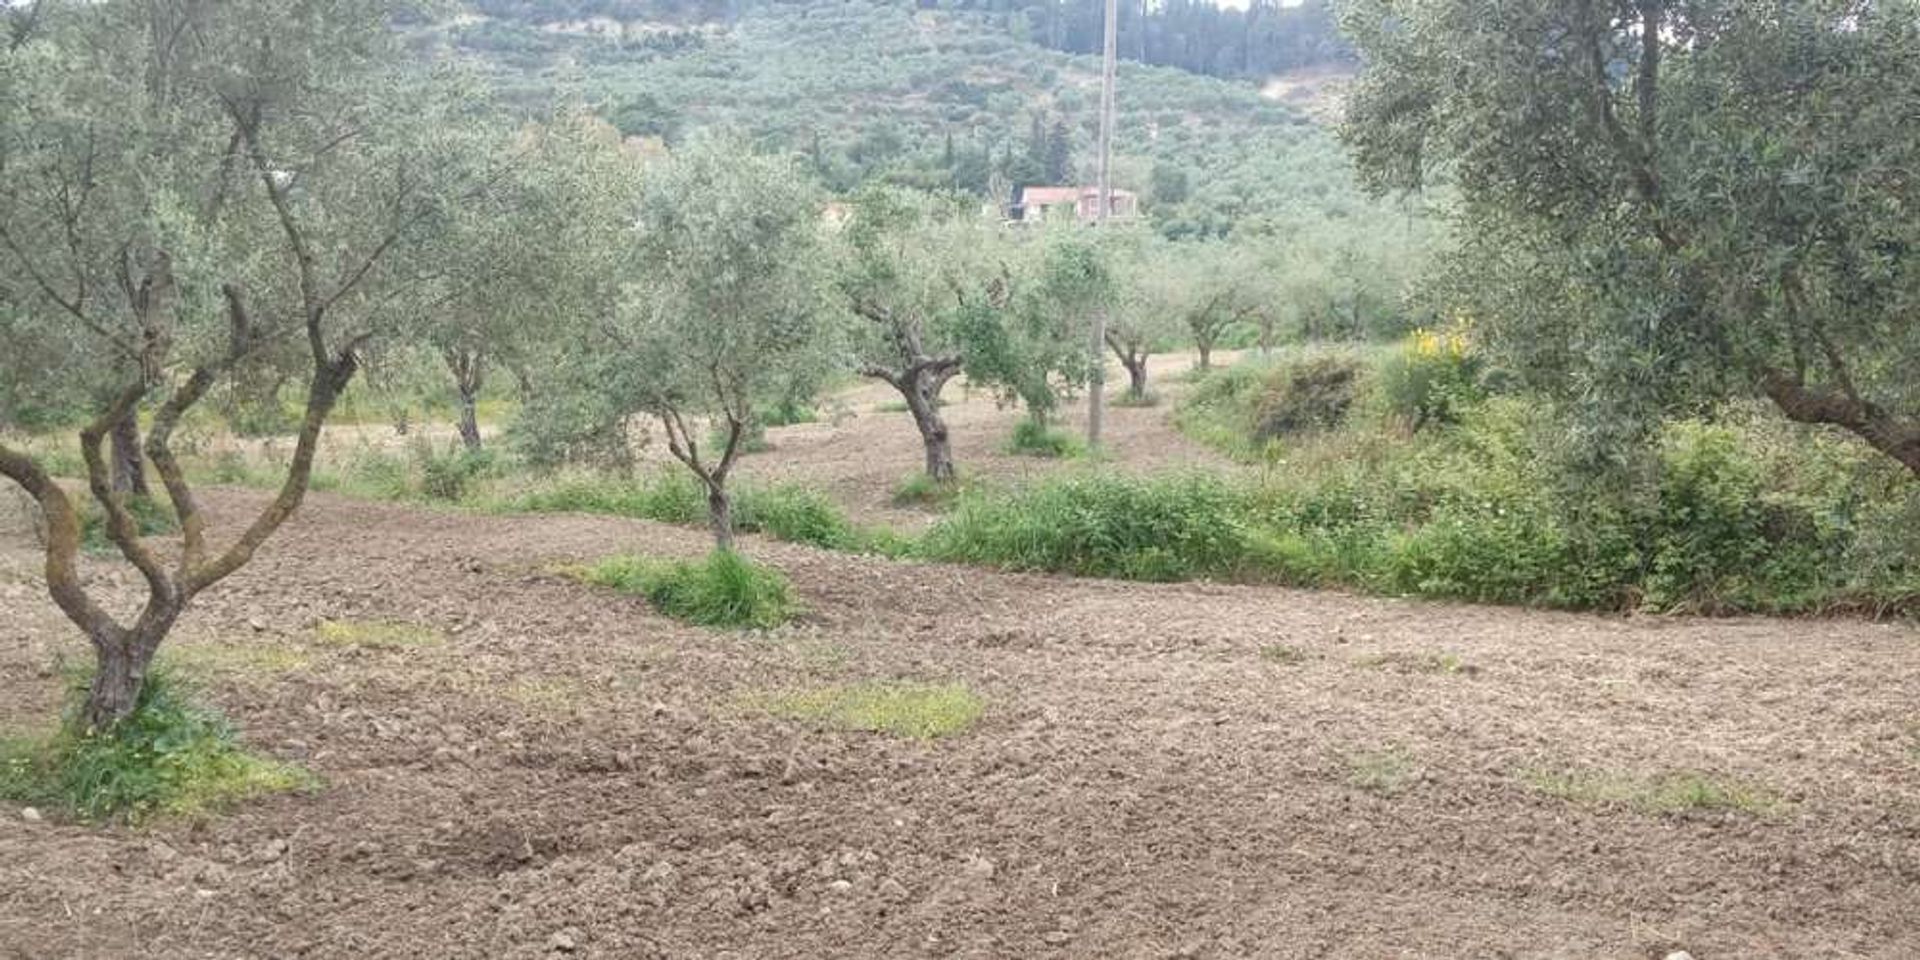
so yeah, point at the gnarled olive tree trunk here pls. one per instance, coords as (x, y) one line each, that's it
(1133, 356)
(124, 653)
(920, 385)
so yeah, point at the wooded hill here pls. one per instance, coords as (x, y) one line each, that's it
(943, 100)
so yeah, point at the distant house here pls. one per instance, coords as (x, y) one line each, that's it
(1032, 204)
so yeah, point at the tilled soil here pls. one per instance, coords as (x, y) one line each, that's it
(1161, 771)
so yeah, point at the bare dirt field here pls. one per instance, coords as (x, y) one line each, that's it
(1197, 770)
(1161, 771)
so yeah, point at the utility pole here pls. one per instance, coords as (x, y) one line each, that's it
(1097, 384)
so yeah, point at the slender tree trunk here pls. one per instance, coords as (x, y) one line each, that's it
(129, 465)
(720, 516)
(468, 367)
(1206, 354)
(1135, 377)
(469, 421)
(924, 404)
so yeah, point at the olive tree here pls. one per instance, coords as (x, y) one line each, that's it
(726, 314)
(1152, 289)
(188, 189)
(1034, 348)
(1670, 203)
(912, 268)
(533, 248)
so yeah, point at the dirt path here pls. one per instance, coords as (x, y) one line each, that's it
(1162, 771)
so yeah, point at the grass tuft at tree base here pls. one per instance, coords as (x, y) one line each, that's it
(791, 513)
(171, 758)
(723, 590)
(923, 490)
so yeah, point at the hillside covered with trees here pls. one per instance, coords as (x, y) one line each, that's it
(932, 99)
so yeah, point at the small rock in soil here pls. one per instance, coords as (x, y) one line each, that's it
(566, 941)
(29, 814)
(893, 890)
(271, 850)
(1679, 955)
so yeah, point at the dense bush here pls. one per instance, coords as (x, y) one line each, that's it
(724, 590)
(1167, 528)
(448, 476)
(1313, 393)
(1432, 378)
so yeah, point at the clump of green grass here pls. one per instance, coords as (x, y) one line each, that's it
(1666, 793)
(664, 497)
(171, 757)
(1385, 772)
(724, 590)
(1126, 399)
(377, 635)
(1106, 525)
(796, 515)
(923, 490)
(1445, 664)
(1034, 439)
(234, 659)
(790, 513)
(1282, 653)
(449, 476)
(788, 413)
(914, 711)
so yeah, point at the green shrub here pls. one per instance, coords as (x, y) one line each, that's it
(724, 590)
(788, 413)
(1035, 439)
(1725, 539)
(1430, 379)
(448, 476)
(378, 475)
(171, 757)
(923, 490)
(1165, 528)
(1309, 394)
(1218, 410)
(794, 514)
